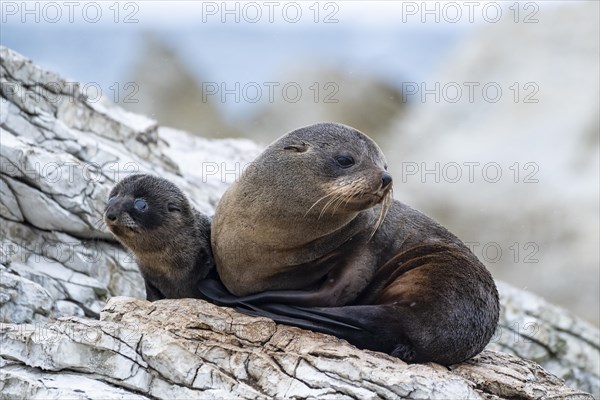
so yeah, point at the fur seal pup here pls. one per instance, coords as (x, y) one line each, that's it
(168, 237)
(310, 236)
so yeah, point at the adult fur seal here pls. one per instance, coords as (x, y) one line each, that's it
(168, 237)
(311, 223)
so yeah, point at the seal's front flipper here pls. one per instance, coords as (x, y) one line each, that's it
(309, 318)
(315, 326)
(214, 292)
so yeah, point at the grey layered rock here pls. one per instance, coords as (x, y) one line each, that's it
(60, 156)
(193, 349)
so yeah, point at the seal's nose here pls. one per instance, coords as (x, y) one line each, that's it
(386, 180)
(111, 215)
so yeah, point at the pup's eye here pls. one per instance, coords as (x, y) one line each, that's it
(140, 205)
(344, 161)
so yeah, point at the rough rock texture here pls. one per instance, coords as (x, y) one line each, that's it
(60, 156)
(193, 349)
(561, 342)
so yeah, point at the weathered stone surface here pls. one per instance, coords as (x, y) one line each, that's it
(561, 342)
(194, 349)
(60, 156)
(17, 382)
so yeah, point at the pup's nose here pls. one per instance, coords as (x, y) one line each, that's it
(111, 215)
(386, 180)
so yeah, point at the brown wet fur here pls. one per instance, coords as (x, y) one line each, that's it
(297, 230)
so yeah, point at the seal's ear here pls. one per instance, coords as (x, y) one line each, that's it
(298, 148)
(173, 207)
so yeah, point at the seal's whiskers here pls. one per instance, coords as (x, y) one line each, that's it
(317, 202)
(354, 190)
(385, 206)
(338, 193)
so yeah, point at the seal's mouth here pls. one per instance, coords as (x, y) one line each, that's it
(384, 190)
(365, 200)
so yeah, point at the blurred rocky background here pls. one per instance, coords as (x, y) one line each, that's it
(488, 113)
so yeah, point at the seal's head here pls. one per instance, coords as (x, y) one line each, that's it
(325, 169)
(282, 225)
(146, 212)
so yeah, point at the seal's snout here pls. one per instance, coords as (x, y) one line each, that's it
(111, 214)
(386, 180)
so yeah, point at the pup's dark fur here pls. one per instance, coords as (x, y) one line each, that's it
(169, 239)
